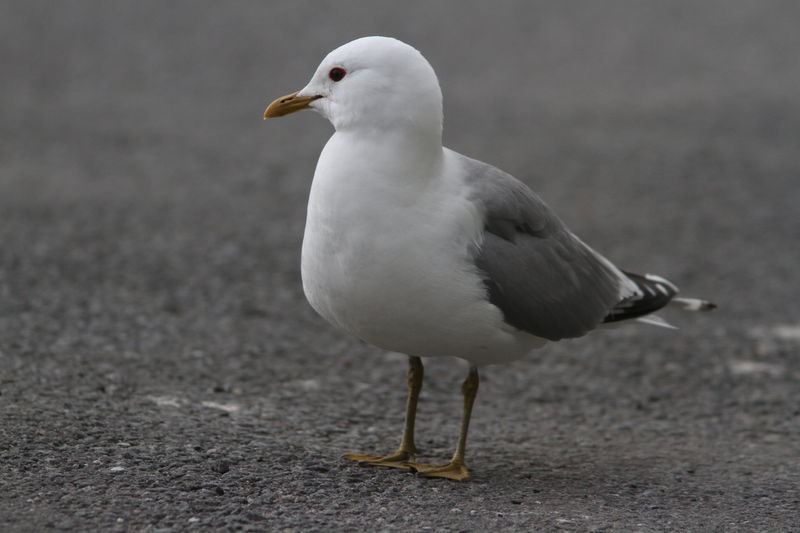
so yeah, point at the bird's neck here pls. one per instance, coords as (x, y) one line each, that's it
(380, 169)
(403, 147)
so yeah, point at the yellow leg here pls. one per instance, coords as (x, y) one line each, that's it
(456, 469)
(407, 449)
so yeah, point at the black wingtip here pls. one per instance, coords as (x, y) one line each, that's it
(654, 293)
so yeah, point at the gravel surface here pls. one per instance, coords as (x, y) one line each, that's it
(160, 369)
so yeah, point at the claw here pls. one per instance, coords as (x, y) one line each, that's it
(456, 471)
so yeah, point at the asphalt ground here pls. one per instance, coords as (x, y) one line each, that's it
(160, 369)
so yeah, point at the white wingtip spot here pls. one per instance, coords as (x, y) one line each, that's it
(659, 279)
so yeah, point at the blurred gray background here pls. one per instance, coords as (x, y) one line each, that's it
(161, 371)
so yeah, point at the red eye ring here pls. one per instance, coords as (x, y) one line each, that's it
(337, 73)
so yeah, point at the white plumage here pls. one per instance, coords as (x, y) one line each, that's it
(418, 249)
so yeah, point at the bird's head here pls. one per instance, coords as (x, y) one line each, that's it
(370, 83)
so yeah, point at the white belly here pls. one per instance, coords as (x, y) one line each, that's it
(388, 262)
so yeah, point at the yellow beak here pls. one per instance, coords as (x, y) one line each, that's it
(288, 104)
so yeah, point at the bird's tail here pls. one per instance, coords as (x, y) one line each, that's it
(654, 292)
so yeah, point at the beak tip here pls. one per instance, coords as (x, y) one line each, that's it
(288, 104)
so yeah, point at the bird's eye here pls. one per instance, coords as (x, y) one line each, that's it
(337, 73)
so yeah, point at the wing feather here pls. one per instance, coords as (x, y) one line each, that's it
(543, 278)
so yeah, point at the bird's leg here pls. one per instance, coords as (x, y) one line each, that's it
(456, 469)
(407, 449)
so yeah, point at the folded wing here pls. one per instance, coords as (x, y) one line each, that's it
(543, 278)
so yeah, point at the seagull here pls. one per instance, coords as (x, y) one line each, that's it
(415, 248)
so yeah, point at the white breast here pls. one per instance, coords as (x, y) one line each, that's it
(386, 255)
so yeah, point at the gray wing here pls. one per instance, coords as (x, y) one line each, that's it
(542, 277)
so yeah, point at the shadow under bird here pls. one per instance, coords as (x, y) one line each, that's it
(417, 249)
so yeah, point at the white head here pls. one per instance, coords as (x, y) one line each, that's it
(372, 83)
